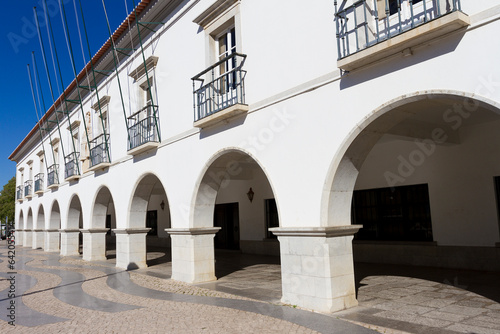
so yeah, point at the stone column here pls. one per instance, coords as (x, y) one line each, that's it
(19, 237)
(193, 259)
(27, 238)
(51, 242)
(131, 248)
(94, 244)
(37, 241)
(317, 269)
(70, 242)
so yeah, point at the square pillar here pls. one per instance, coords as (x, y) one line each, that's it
(131, 248)
(70, 244)
(37, 241)
(94, 244)
(317, 268)
(51, 241)
(19, 236)
(193, 259)
(27, 238)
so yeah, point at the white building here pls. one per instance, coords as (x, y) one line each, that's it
(283, 133)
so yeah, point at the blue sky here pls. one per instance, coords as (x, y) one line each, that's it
(19, 39)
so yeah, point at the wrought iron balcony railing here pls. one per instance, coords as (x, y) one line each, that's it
(71, 164)
(143, 127)
(39, 182)
(19, 192)
(53, 175)
(28, 188)
(365, 23)
(225, 86)
(99, 150)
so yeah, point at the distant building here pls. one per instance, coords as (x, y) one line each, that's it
(307, 121)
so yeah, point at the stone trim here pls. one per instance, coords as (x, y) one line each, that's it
(102, 102)
(140, 70)
(94, 230)
(72, 230)
(212, 12)
(133, 230)
(192, 231)
(52, 230)
(38, 230)
(326, 232)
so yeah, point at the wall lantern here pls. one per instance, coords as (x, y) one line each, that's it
(250, 195)
(162, 205)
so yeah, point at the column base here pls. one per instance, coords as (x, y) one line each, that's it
(94, 244)
(317, 267)
(70, 243)
(37, 241)
(52, 241)
(131, 248)
(193, 259)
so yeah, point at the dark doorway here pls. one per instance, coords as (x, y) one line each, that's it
(152, 222)
(226, 216)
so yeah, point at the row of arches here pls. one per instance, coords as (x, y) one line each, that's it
(222, 208)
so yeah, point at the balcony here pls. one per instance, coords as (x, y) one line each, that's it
(53, 176)
(99, 154)
(39, 183)
(19, 193)
(28, 189)
(71, 168)
(143, 130)
(371, 30)
(221, 91)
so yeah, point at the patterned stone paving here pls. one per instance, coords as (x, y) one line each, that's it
(128, 302)
(71, 295)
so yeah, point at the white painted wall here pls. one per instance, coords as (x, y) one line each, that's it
(301, 111)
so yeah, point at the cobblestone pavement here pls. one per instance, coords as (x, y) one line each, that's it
(69, 295)
(74, 296)
(439, 301)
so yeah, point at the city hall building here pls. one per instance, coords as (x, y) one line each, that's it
(322, 132)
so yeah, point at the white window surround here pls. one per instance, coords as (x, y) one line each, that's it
(101, 111)
(221, 16)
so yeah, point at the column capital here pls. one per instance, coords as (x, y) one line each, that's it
(94, 230)
(325, 232)
(69, 230)
(132, 230)
(192, 230)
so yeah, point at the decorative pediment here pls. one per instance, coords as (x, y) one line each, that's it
(213, 12)
(103, 101)
(74, 125)
(141, 70)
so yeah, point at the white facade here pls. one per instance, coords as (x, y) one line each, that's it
(308, 131)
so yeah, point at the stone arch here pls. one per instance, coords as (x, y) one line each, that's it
(20, 228)
(40, 221)
(54, 222)
(75, 213)
(229, 212)
(148, 217)
(347, 161)
(71, 237)
(223, 165)
(38, 228)
(28, 230)
(147, 185)
(52, 240)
